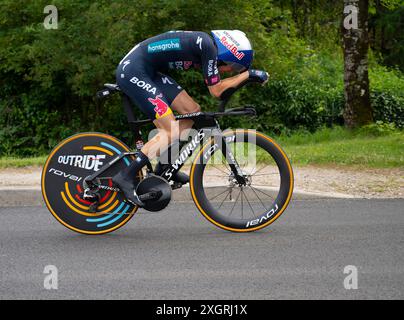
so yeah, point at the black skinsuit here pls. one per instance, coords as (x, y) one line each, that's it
(141, 73)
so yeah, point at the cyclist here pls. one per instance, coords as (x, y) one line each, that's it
(141, 75)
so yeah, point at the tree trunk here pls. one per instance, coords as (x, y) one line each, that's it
(357, 111)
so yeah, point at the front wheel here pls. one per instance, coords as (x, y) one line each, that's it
(254, 204)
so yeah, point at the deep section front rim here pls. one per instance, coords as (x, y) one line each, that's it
(208, 211)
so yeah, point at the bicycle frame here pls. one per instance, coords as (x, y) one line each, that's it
(208, 128)
(203, 121)
(196, 142)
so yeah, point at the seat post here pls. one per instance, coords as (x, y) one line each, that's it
(127, 106)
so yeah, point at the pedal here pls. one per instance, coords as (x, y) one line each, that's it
(176, 185)
(89, 195)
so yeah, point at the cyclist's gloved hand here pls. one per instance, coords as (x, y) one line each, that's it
(258, 76)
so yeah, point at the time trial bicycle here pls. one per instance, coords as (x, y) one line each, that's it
(240, 179)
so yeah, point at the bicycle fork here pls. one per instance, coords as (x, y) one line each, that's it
(233, 164)
(219, 141)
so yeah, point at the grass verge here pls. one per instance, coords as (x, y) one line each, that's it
(13, 162)
(366, 148)
(374, 146)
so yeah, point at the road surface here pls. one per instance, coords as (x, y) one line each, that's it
(177, 254)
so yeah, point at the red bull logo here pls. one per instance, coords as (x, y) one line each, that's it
(161, 108)
(232, 48)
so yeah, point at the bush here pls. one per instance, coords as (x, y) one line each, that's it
(48, 78)
(377, 129)
(311, 95)
(387, 95)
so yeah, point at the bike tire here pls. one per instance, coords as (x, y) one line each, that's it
(270, 214)
(62, 177)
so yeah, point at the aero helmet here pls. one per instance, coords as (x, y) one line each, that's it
(233, 48)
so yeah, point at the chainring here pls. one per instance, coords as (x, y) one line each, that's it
(158, 185)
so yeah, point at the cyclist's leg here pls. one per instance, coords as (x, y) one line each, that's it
(152, 100)
(136, 83)
(168, 132)
(179, 100)
(183, 104)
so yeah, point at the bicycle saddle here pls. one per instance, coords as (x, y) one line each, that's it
(112, 86)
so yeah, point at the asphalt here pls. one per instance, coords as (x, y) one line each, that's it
(177, 254)
(32, 196)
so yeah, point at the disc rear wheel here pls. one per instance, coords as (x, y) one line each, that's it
(69, 163)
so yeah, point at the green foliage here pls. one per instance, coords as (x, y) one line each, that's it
(48, 78)
(338, 133)
(387, 95)
(377, 129)
(385, 30)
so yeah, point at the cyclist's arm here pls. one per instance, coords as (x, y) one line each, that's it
(217, 89)
(210, 69)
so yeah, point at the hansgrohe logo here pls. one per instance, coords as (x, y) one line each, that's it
(164, 45)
